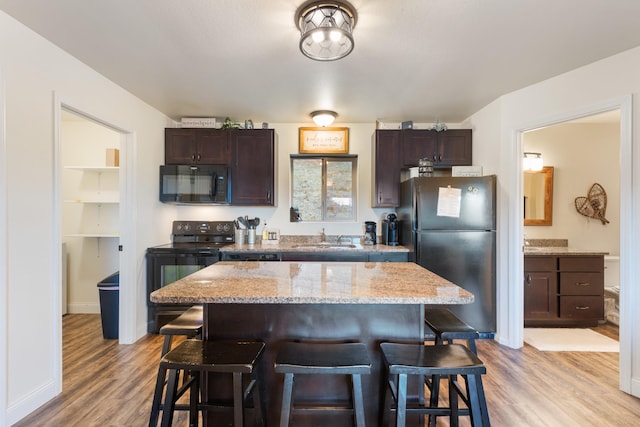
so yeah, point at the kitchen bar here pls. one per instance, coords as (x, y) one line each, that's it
(324, 301)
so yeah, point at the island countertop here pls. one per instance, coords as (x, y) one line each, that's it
(312, 283)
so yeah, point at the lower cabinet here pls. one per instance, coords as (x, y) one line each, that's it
(563, 290)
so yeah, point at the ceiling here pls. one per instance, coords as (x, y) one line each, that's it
(417, 60)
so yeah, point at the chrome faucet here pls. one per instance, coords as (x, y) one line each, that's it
(323, 237)
(341, 237)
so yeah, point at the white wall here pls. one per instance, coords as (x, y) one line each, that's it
(581, 154)
(605, 84)
(35, 73)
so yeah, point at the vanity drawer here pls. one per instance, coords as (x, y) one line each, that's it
(581, 284)
(581, 307)
(539, 263)
(581, 263)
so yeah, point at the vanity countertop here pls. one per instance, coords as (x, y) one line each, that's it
(560, 250)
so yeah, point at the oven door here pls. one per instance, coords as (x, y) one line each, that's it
(166, 268)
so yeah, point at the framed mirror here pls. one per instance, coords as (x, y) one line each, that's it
(538, 197)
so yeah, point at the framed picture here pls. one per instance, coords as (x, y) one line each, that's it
(324, 140)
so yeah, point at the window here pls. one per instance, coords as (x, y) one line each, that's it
(323, 188)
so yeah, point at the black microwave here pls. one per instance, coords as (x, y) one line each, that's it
(208, 184)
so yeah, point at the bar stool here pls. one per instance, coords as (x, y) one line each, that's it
(323, 359)
(445, 326)
(238, 358)
(402, 360)
(188, 324)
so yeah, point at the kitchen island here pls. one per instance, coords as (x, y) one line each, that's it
(313, 301)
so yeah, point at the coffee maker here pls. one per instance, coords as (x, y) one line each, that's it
(370, 233)
(390, 230)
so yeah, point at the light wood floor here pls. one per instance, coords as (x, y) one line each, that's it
(106, 384)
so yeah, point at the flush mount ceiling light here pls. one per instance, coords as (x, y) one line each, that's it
(323, 117)
(325, 29)
(532, 162)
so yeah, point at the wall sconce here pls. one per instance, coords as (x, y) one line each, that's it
(532, 162)
(323, 117)
(325, 29)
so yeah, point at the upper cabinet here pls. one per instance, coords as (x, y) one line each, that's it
(445, 149)
(252, 167)
(193, 146)
(396, 149)
(386, 169)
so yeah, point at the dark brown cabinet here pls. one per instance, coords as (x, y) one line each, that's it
(563, 290)
(396, 149)
(540, 289)
(445, 149)
(252, 167)
(386, 169)
(191, 146)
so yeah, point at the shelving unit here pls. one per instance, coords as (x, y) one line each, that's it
(97, 202)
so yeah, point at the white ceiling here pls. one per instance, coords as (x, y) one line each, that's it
(413, 59)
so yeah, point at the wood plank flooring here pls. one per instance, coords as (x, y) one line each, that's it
(107, 384)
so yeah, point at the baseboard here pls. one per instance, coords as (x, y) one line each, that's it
(31, 402)
(79, 308)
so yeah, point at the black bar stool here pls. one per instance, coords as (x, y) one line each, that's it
(238, 358)
(442, 326)
(188, 324)
(445, 327)
(402, 360)
(323, 359)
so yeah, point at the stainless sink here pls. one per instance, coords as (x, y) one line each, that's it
(329, 246)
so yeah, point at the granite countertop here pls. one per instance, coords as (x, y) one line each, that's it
(560, 250)
(310, 247)
(312, 283)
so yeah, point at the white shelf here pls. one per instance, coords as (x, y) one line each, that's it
(96, 202)
(94, 168)
(110, 235)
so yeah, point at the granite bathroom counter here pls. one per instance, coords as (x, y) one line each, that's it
(311, 247)
(561, 251)
(254, 282)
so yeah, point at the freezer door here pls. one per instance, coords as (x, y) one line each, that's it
(468, 259)
(446, 203)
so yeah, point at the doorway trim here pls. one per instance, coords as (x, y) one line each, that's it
(628, 229)
(4, 332)
(127, 294)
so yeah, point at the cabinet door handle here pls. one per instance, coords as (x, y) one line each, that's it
(440, 157)
(583, 284)
(199, 156)
(528, 279)
(582, 307)
(193, 157)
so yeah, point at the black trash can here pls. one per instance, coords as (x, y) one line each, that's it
(109, 289)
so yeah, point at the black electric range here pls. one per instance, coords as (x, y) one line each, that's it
(194, 246)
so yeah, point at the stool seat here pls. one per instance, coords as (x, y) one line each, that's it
(320, 358)
(325, 359)
(188, 324)
(193, 357)
(449, 360)
(446, 326)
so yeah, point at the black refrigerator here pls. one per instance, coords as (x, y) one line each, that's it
(449, 226)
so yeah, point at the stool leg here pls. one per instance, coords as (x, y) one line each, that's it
(453, 402)
(194, 399)
(170, 398)
(472, 346)
(157, 397)
(388, 399)
(166, 345)
(477, 404)
(285, 412)
(401, 416)
(238, 400)
(434, 397)
(358, 401)
(257, 403)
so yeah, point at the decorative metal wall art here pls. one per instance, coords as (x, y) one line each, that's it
(594, 205)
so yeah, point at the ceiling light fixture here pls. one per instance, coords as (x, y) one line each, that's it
(532, 162)
(325, 29)
(324, 117)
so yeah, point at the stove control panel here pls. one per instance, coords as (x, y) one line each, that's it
(209, 228)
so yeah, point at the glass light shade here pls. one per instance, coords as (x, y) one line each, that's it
(532, 162)
(325, 30)
(323, 117)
